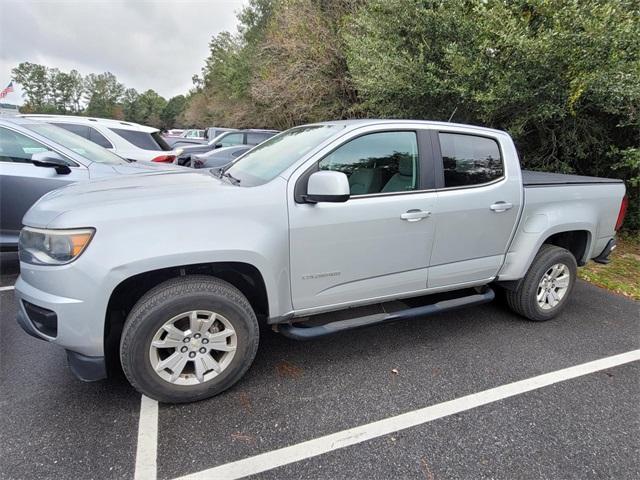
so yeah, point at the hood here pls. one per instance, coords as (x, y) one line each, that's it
(146, 167)
(122, 195)
(102, 170)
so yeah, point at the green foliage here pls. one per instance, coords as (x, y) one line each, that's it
(283, 67)
(103, 92)
(34, 80)
(49, 90)
(169, 117)
(627, 165)
(129, 104)
(563, 77)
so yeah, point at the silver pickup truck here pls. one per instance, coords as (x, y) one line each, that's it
(323, 228)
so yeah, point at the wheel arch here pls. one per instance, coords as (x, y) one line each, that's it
(577, 239)
(245, 277)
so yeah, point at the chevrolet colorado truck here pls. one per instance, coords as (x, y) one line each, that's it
(323, 228)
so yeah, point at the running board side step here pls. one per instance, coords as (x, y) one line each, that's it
(308, 332)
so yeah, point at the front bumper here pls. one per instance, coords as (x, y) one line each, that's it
(87, 369)
(78, 328)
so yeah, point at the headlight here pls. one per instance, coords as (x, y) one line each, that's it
(52, 247)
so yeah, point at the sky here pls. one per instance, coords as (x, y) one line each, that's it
(158, 44)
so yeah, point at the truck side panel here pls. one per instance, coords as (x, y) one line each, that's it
(548, 210)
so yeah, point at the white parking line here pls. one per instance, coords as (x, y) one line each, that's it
(146, 452)
(312, 448)
(4, 289)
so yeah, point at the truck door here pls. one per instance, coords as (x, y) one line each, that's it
(477, 206)
(378, 242)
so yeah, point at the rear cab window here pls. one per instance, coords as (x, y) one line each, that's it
(469, 160)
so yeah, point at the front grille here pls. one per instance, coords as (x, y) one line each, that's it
(45, 321)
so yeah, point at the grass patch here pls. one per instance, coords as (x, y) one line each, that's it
(622, 275)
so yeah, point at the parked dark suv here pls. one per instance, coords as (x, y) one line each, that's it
(248, 136)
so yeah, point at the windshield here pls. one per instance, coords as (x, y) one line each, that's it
(81, 146)
(269, 159)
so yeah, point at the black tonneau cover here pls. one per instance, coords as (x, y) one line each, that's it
(537, 179)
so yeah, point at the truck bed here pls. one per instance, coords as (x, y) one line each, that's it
(539, 179)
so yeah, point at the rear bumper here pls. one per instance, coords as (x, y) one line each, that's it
(604, 256)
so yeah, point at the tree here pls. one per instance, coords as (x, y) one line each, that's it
(66, 90)
(302, 71)
(130, 104)
(561, 77)
(172, 111)
(103, 91)
(34, 80)
(149, 108)
(76, 90)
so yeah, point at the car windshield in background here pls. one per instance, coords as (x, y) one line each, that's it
(79, 145)
(143, 140)
(269, 159)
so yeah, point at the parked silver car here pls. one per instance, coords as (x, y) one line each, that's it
(220, 157)
(37, 157)
(227, 139)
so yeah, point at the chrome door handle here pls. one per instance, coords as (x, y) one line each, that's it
(414, 215)
(499, 207)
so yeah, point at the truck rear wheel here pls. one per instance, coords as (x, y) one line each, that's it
(545, 289)
(188, 339)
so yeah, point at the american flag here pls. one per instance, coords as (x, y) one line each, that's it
(7, 90)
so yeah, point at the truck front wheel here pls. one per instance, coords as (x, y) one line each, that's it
(545, 289)
(188, 339)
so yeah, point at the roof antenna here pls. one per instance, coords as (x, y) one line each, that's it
(452, 114)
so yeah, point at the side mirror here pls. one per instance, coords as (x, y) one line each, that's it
(217, 145)
(327, 186)
(51, 159)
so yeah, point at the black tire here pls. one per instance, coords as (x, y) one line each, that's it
(171, 298)
(523, 299)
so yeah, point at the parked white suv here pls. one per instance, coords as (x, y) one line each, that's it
(128, 140)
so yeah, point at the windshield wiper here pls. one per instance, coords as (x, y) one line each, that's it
(232, 179)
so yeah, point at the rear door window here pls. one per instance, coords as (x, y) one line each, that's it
(96, 137)
(469, 159)
(162, 143)
(81, 130)
(143, 140)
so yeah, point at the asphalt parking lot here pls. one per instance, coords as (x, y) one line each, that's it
(54, 426)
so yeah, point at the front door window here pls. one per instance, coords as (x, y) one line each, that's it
(383, 162)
